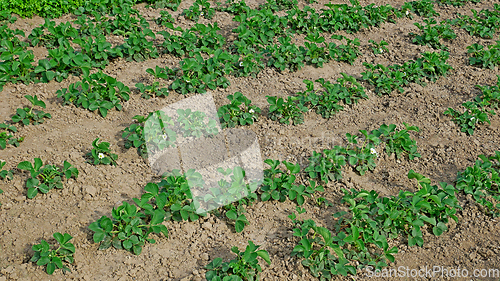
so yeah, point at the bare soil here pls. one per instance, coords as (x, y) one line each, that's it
(473, 243)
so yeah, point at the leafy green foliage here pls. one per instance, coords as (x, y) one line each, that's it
(456, 3)
(43, 8)
(138, 48)
(165, 17)
(280, 184)
(47, 177)
(482, 181)
(348, 53)
(101, 154)
(286, 55)
(29, 115)
(194, 124)
(97, 91)
(129, 228)
(200, 8)
(5, 174)
(238, 112)
(431, 66)
(486, 58)
(134, 136)
(244, 267)
(432, 32)
(327, 166)
(476, 111)
(362, 234)
(483, 23)
(53, 36)
(379, 48)
(328, 102)
(284, 112)
(424, 8)
(6, 137)
(55, 258)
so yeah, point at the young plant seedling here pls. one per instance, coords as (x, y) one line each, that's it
(55, 258)
(193, 124)
(47, 177)
(238, 112)
(291, 110)
(379, 48)
(29, 115)
(129, 228)
(6, 137)
(244, 267)
(101, 154)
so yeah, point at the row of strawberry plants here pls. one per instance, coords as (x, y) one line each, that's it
(477, 111)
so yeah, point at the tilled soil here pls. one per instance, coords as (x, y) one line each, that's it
(471, 244)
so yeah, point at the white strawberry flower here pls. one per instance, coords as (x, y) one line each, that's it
(101, 155)
(407, 12)
(164, 136)
(251, 111)
(373, 151)
(381, 50)
(241, 64)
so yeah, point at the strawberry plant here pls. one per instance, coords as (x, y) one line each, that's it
(165, 17)
(379, 48)
(158, 132)
(476, 111)
(232, 7)
(5, 174)
(61, 62)
(238, 112)
(313, 54)
(29, 115)
(327, 103)
(98, 49)
(486, 58)
(424, 8)
(348, 53)
(200, 8)
(456, 3)
(8, 138)
(45, 178)
(16, 63)
(54, 258)
(432, 32)
(52, 36)
(134, 136)
(286, 55)
(397, 142)
(244, 267)
(129, 228)
(284, 112)
(278, 5)
(362, 234)
(137, 47)
(173, 196)
(193, 124)
(97, 91)
(101, 154)
(483, 23)
(482, 181)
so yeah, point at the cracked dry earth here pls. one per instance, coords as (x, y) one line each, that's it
(473, 243)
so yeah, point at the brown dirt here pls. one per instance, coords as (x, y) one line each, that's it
(473, 243)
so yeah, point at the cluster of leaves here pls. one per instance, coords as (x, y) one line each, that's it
(431, 32)
(165, 17)
(198, 9)
(484, 23)
(97, 91)
(155, 89)
(55, 258)
(482, 181)
(51, 35)
(379, 48)
(291, 110)
(193, 123)
(4, 174)
(328, 102)
(486, 58)
(327, 166)
(362, 234)
(280, 184)
(43, 8)
(431, 66)
(456, 3)
(238, 112)
(423, 8)
(233, 7)
(29, 115)
(476, 111)
(47, 177)
(350, 18)
(101, 154)
(6, 136)
(244, 267)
